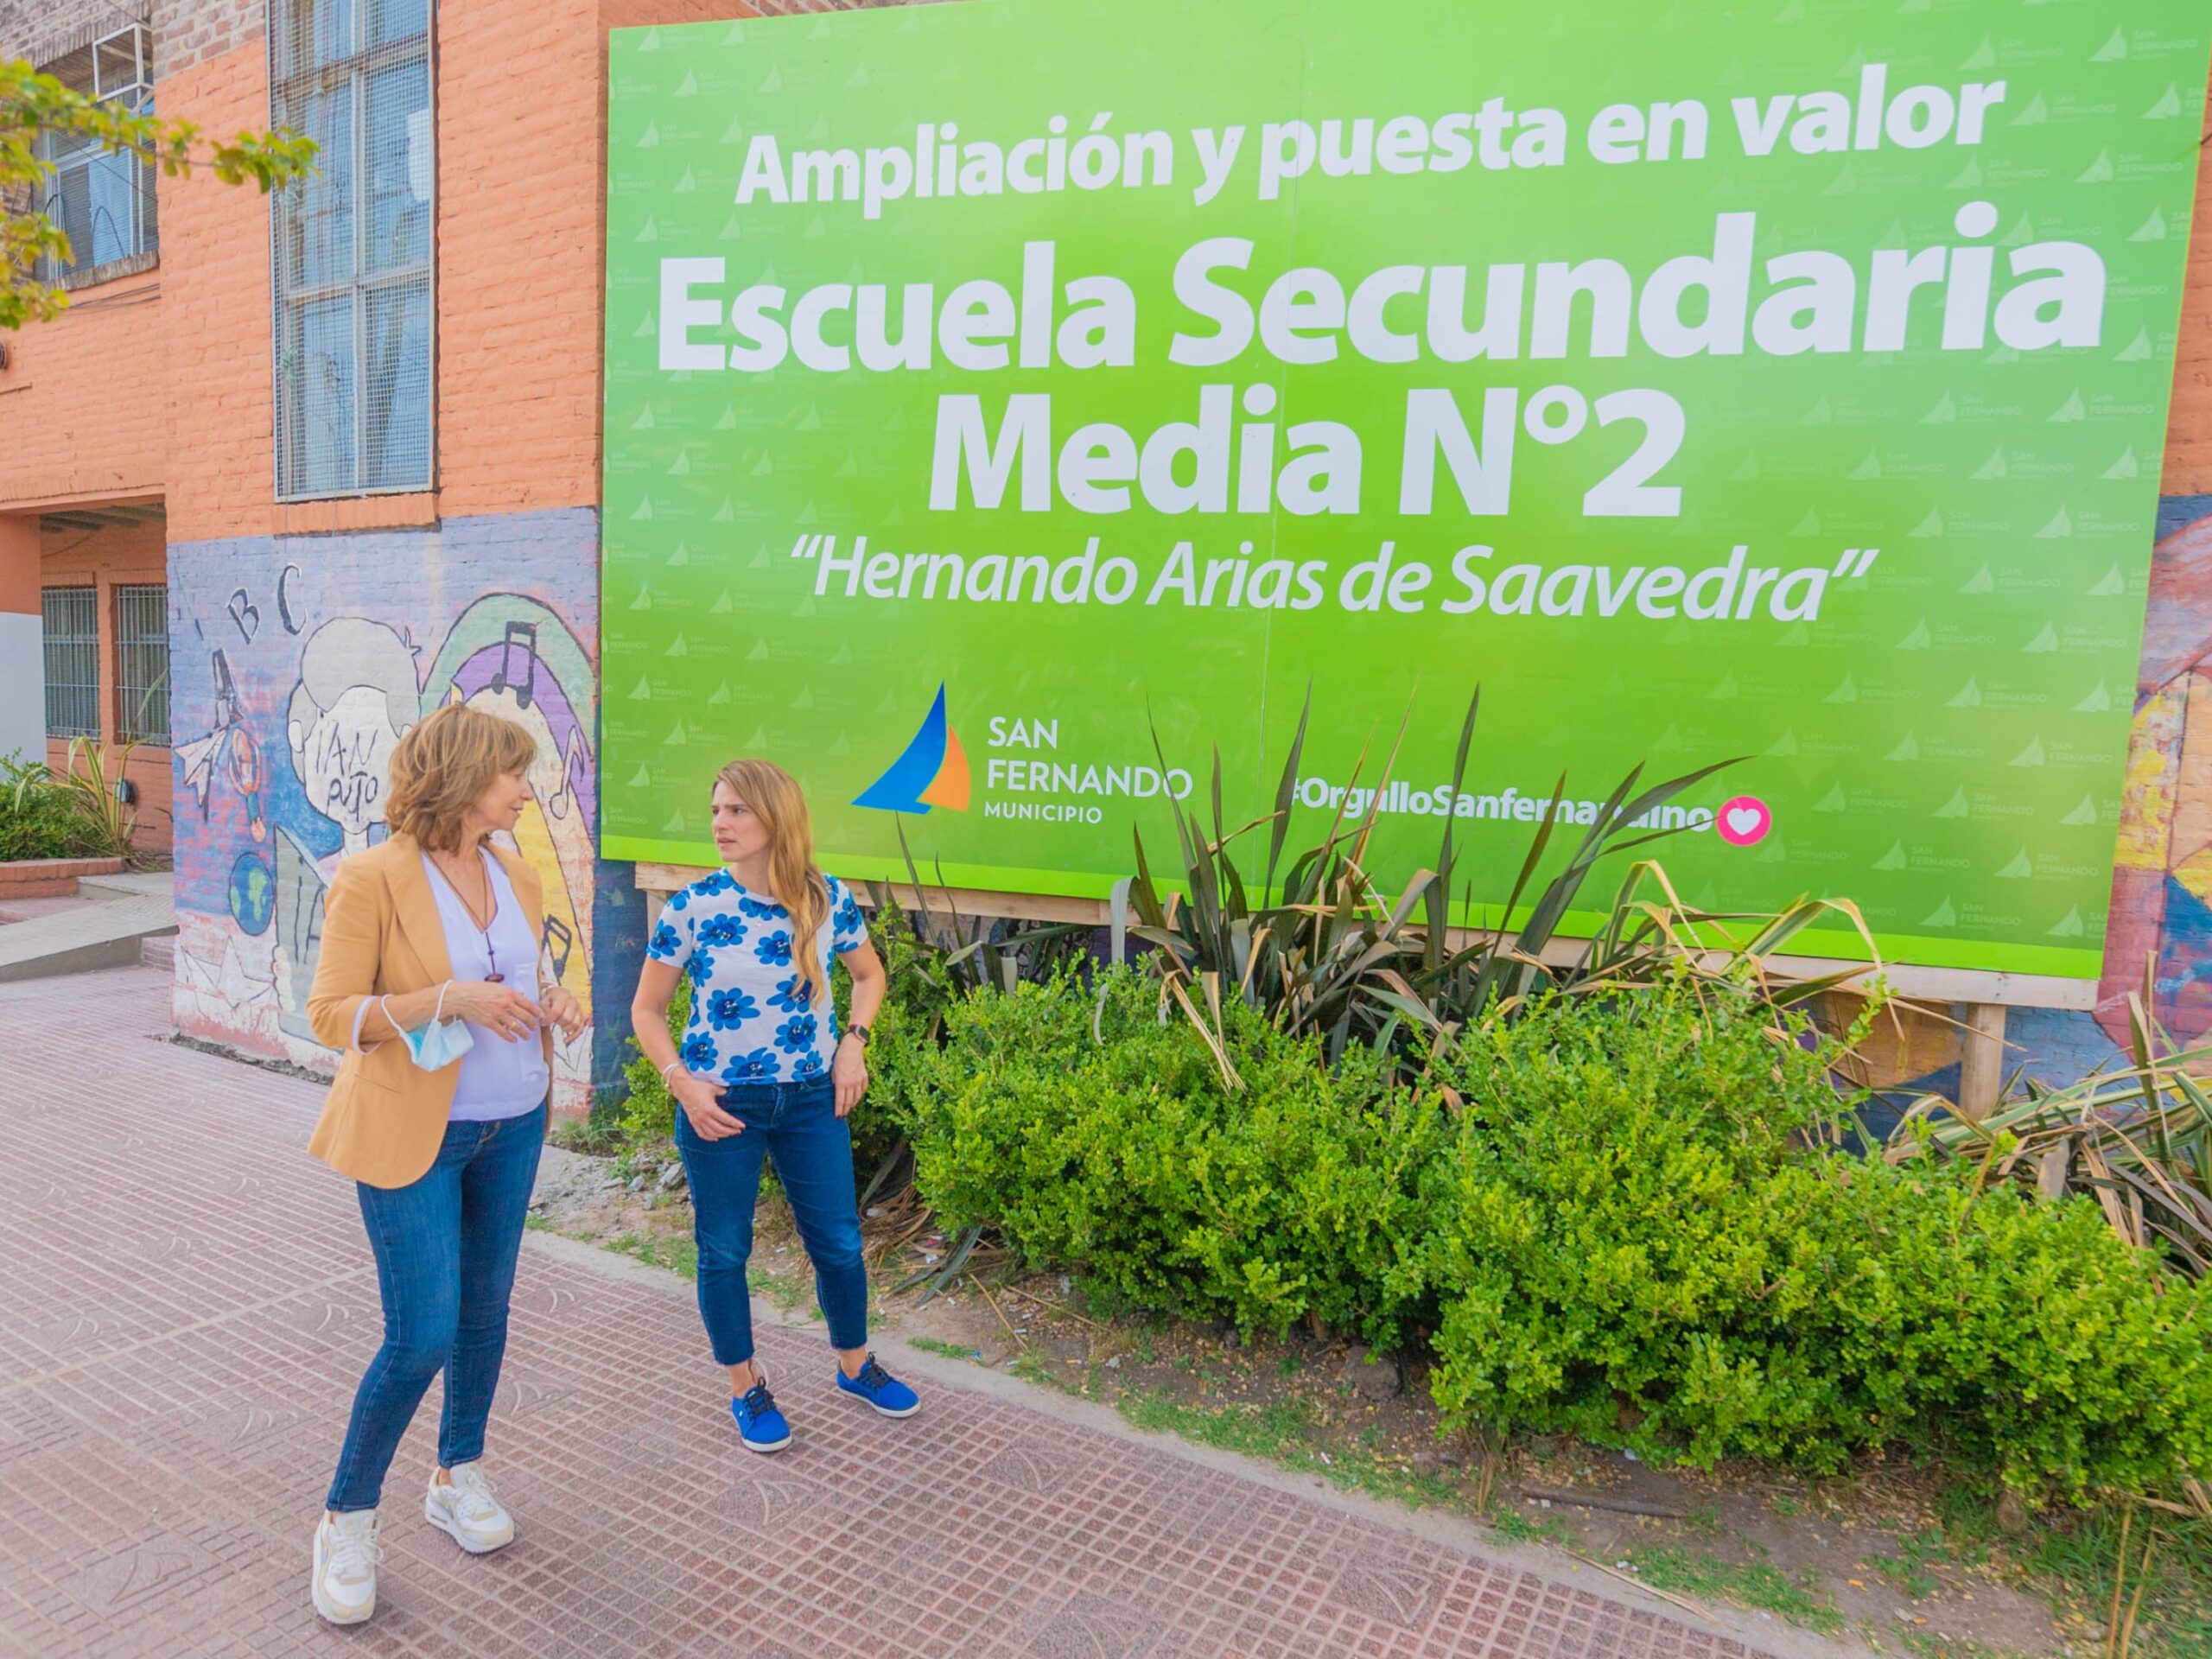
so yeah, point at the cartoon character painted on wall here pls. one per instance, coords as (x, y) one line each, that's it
(333, 693)
(355, 698)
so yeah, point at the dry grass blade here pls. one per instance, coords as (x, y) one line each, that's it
(1230, 1079)
(944, 1276)
(1020, 1340)
(2135, 1603)
(2138, 1140)
(2119, 1581)
(1668, 1596)
(1059, 1309)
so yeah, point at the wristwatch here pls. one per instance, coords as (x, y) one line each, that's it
(861, 1031)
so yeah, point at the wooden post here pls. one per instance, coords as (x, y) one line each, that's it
(1981, 1059)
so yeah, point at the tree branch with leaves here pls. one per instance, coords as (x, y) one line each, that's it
(33, 106)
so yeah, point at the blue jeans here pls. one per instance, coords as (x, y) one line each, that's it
(445, 1247)
(796, 1125)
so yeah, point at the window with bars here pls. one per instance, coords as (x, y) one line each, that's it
(72, 618)
(141, 663)
(103, 201)
(350, 254)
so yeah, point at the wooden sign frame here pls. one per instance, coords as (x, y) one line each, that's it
(1981, 997)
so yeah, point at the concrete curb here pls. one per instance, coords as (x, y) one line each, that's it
(108, 932)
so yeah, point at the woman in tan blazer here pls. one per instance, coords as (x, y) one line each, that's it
(429, 981)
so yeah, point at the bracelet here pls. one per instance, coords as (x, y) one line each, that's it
(669, 1067)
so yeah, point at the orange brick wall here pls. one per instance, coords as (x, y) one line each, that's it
(186, 32)
(518, 260)
(519, 274)
(215, 315)
(81, 416)
(2188, 428)
(19, 564)
(113, 556)
(637, 14)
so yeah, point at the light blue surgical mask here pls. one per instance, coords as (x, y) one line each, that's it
(435, 1044)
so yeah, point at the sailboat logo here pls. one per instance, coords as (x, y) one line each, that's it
(932, 771)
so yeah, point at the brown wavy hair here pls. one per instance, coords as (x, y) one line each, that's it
(442, 766)
(793, 882)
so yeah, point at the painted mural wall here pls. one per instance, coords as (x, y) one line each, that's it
(297, 664)
(2162, 886)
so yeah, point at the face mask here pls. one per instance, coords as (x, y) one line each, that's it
(435, 1044)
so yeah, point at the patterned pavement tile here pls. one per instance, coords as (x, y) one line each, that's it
(185, 1303)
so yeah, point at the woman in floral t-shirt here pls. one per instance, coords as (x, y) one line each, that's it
(764, 1073)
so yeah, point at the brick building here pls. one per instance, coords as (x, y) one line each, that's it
(289, 473)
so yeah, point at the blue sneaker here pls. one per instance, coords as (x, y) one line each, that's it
(760, 1424)
(876, 1387)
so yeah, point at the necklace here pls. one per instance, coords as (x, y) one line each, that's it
(483, 923)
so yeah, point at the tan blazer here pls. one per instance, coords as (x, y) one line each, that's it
(385, 1116)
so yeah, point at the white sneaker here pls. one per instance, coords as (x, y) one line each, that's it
(467, 1510)
(345, 1587)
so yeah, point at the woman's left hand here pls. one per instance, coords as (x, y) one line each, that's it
(850, 1072)
(563, 1010)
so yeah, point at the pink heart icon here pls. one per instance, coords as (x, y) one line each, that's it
(1743, 821)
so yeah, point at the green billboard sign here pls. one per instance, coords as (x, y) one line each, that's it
(994, 388)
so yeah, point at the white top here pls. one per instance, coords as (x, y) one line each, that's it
(499, 1078)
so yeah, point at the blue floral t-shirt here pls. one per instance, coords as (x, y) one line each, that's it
(753, 1018)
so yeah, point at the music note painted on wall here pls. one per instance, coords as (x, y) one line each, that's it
(502, 679)
(560, 940)
(575, 770)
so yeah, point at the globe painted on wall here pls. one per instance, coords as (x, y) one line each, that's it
(253, 892)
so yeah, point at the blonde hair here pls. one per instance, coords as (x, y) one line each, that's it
(793, 882)
(442, 767)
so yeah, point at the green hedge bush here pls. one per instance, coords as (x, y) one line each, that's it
(1629, 1227)
(1635, 1238)
(649, 1113)
(1125, 1157)
(881, 1121)
(43, 818)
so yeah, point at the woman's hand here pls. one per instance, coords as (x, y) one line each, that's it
(563, 1010)
(500, 1009)
(849, 1072)
(701, 1103)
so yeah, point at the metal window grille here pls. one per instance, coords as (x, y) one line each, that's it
(350, 251)
(72, 618)
(103, 201)
(141, 663)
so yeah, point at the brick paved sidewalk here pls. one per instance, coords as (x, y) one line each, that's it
(185, 1302)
